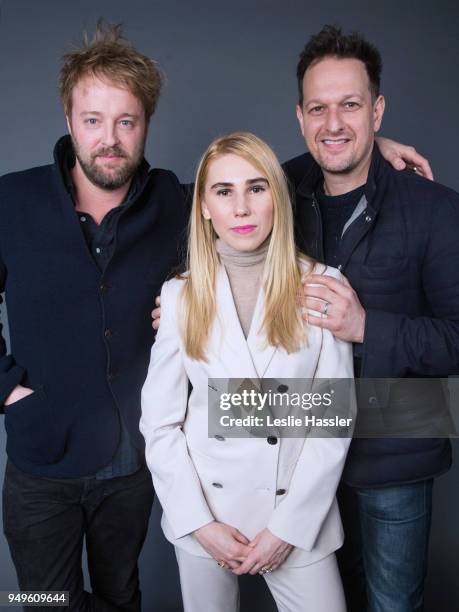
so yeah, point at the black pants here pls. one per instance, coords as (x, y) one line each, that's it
(45, 521)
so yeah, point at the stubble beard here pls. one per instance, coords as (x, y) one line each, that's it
(345, 166)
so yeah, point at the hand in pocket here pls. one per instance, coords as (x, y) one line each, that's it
(19, 392)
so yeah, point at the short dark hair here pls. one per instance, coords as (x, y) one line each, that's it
(331, 42)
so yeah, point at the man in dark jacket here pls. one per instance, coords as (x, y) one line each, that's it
(394, 235)
(85, 245)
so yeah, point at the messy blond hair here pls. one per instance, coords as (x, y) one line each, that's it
(110, 57)
(281, 280)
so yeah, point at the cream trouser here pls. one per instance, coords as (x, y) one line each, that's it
(206, 587)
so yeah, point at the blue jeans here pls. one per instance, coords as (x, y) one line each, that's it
(383, 561)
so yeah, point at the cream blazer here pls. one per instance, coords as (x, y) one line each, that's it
(199, 479)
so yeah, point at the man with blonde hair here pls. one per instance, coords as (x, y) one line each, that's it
(85, 245)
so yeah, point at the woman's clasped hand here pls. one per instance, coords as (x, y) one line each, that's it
(232, 550)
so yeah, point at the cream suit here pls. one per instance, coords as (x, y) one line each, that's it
(235, 481)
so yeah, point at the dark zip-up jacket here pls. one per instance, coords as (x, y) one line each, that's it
(401, 255)
(79, 337)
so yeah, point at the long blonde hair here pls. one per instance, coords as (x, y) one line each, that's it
(281, 280)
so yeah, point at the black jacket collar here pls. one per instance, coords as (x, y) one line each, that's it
(376, 175)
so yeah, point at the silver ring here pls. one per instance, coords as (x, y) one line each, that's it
(265, 570)
(325, 310)
(221, 564)
(415, 168)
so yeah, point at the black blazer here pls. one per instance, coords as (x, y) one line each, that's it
(402, 258)
(81, 339)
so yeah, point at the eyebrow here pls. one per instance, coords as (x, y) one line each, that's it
(346, 97)
(99, 114)
(259, 179)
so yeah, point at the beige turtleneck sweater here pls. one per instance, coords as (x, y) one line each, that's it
(244, 269)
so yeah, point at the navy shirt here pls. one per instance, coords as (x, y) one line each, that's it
(101, 241)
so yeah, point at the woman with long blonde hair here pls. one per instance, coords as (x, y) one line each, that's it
(236, 505)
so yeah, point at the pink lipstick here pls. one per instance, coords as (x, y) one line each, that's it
(244, 229)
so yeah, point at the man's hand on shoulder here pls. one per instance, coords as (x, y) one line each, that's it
(404, 156)
(156, 313)
(337, 306)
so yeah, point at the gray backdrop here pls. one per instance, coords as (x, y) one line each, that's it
(231, 65)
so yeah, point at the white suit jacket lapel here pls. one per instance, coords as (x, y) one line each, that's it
(253, 354)
(261, 352)
(229, 340)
